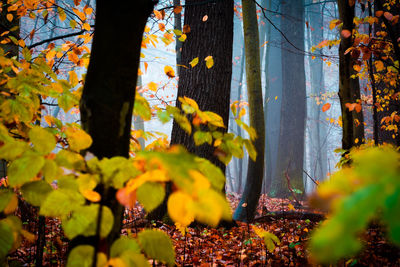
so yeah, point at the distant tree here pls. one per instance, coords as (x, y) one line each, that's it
(293, 109)
(248, 203)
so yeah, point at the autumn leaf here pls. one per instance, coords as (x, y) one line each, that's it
(346, 33)
(379, 13)
(152, 86)
(194, 62)
(326, 107)
(169, 71)
(9, 17)
(379, 65)
(158, 14)
(209, 62)
(388, 16)
(186, 29)
(205, 18)
(177, 9)
(161, 26)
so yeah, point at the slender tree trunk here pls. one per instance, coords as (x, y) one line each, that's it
(293, 109)
(349, 88)
(248, 203)
(109, 91)
(274, 98)
(317, 147)
(178, 44)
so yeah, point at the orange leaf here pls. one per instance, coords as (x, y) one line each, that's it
(346, 33)
(388, 16)
(326, 107)
(91, 195)
(205, 18)
(358, 107)
(169, 71)
(161, 26)
(126, 198)
(177, 9)
(186, 29)
(378, 13)
(9, 17)
(158, 14)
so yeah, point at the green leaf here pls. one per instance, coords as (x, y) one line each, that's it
(43, 141)
(250, 149)
(157, 245)
(36, 192)
(183, 122)
(142, 108)
(84, 220)
(5, 198)
(270, 240)
(67, 101)
(81, 256)
(6, 239)
(124, 244)
(12, 150)
(50, 171)
(24, 169)
(61, 202)
(163, 116)
(177, 32)
(150, 195)
(26, 54)
(70, 160)
(134, 259)
(200, 138)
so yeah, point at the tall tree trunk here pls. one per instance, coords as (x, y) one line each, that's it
(248, 203)
(210, 88)
(293, 109)
(316, 118)
(349, 88)
(178, 44)
(109, 91)
(273, 97)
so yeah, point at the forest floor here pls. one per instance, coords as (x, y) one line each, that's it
(237, 246)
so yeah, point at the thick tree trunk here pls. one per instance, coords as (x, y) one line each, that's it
(293, 109)
(349, 88)
(210, 88)
(109, 92)
(248, 203)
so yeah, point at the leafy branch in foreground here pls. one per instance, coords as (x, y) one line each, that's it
(368, 190)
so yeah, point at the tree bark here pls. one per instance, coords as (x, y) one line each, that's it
(109, 91)
(210, 88)
(293, 108)
(248, 203)
(349, 88)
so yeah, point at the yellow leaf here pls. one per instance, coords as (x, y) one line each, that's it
(28, 236)
(379, 65)
(73, 78)
(43, 141)
(152, 86)
(191, 102)
(12, 205)
(183, 37)
(209, 61)
(169, 71)
(78, 139)
(91, 195)
(21, 43)
(179, 208)
(194, 62)
(88, 10)
(276, 97)
(242, 112)
(86, 26)
(291, 207)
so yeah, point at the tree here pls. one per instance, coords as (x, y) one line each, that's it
(293, 109)
(109, 93)
(248, 203)
(349, 87)
(211, 34)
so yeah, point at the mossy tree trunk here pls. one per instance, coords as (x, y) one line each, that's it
(248, 204)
